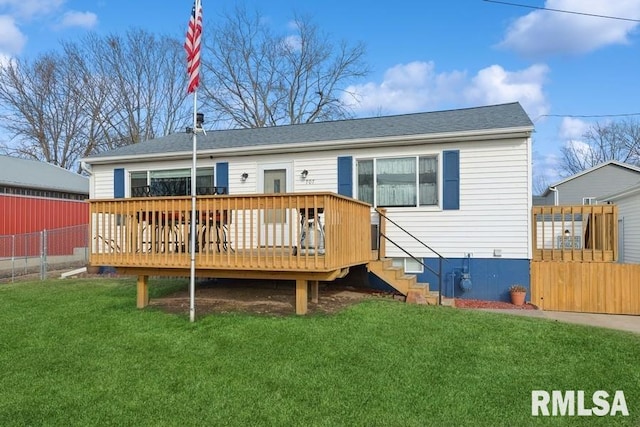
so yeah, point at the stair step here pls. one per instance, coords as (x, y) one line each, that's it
(433, 299)
(396, 277)
(415, 297)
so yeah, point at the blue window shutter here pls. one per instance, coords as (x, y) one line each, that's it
(451, 180)
(345, 176)
(118, 183)
(222, 175)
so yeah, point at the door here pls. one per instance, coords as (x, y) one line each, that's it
(276, 179)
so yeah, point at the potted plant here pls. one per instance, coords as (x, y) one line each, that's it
(518, 294)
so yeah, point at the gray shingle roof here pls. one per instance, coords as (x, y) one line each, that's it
(451, 121)
(23, 173)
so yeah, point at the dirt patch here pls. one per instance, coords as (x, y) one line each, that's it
(272, 298)
(474, 303)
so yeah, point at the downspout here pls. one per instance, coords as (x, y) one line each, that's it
(89, 171)
(555, 195)
(85, 167)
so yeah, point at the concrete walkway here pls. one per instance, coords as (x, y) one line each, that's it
(612, 321)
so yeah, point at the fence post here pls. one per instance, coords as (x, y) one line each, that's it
(13, 257)
(43, 255)
(26, 253)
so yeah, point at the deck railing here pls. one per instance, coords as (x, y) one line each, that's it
(575, 233)
(271, 232)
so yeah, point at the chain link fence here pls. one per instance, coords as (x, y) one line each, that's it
(40, 254)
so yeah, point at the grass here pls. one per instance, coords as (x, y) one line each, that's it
(78, 352)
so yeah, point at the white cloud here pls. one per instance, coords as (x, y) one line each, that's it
(27, 9)
(417, 86)
(4, 59)
(495, 85)
(546, 168)
(571, 128)
(79, 19)
(406, 88)
(581, 149)
(545, 32)
(11, 38)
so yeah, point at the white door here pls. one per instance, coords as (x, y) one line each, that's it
(275, 178)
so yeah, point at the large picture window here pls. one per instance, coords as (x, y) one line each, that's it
(398, 182)
(171, 182)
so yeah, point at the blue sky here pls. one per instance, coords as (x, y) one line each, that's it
(425, 56)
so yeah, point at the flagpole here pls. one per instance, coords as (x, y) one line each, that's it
(192, 46)
(192, 276)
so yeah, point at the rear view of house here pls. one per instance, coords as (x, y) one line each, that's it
(452, 189)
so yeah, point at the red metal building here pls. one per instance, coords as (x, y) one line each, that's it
(25, 214)
(36, 196)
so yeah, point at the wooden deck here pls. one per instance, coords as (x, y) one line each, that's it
(296, 236)
(575, 233)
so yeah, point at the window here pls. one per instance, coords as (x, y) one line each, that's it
(171, 182)
(398, 182)
(409, 265)
(588, 200)
(42, 193)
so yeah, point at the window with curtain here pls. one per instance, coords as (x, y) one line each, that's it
(365, 180)
(398, 182)
(171, 182)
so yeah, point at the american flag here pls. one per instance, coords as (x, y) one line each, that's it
(192, 46)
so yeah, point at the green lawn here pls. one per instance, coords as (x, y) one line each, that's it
(78, 352)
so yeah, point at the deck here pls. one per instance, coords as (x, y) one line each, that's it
(575, 233)
(304, 237)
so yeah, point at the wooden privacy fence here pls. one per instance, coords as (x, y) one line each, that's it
(588, 287)
(574, 268)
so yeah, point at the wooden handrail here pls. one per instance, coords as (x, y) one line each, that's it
(234, 232)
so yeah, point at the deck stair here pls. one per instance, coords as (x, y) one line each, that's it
(406, 284)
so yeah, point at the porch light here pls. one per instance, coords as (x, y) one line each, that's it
(244, 176)
(304, 174)
(567, 233)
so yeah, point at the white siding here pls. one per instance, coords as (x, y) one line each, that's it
(321, 167)
(102, 182)
(495, 194)
(629, 212)
(494, 207)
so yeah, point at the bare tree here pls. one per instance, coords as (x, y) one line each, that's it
(540, 184)
(136, 85)
(96, 95)
(41, 111)
(255, 78)
(603, 142)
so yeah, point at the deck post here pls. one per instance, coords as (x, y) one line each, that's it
(314, 291)
(143, 291)
(301, 296)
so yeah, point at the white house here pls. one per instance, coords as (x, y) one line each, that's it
(628, 201)
(458, 180)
